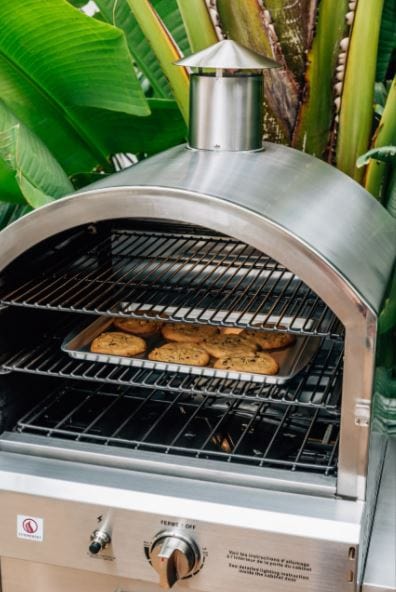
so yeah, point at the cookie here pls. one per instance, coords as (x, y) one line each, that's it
(142, 327)
(185, 333)
(222, 345)
(180, 353)
(269, 340)
(231, 330)
(118, 344)
(257, 363)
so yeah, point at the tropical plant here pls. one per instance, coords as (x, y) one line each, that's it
(86, 88)
(70, 97)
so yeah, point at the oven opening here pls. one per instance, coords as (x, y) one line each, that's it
(180, 274)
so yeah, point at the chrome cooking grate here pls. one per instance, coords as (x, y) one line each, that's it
(187, 277)
(259, 433)
(318, 385)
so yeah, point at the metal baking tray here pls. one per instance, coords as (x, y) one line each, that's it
(291, 360)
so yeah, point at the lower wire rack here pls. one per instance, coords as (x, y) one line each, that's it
(200, 426)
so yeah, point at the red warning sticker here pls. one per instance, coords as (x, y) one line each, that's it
(30, 527)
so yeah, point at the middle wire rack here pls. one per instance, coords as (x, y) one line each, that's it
(318, 385)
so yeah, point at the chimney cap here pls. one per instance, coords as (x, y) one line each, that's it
(230, 55)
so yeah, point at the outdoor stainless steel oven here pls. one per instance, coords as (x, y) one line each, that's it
(115, 477)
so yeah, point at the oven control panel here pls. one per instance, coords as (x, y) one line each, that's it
(166, 551)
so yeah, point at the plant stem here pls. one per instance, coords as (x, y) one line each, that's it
(358, 90)
(198, 24)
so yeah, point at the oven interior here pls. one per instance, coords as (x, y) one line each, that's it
(187, 274)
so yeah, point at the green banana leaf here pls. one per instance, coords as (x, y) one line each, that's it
(78, 3)
(9, 188)
(316, 111)
(38, 175)
(118, 13)
(380, 95)
(164, 47)
(50, 37)
(383, 154)
(198, 24)
(387, 318)
(164, 128)
(11, 212)
(42, 115)
(358, 88)
(54, 59)
(377, 172)
(387, 39)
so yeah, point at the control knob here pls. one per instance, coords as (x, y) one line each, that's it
(99, 540)
(174, 556)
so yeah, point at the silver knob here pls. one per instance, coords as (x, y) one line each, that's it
(174, 556)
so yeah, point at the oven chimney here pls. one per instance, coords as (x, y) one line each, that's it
(226, 105)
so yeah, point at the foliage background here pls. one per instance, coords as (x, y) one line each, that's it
(75, 90)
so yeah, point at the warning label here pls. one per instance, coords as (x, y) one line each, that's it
(272, 568)
(29, 527)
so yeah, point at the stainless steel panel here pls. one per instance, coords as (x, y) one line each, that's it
(25, 576)
(250, 539)
(226, 112)
(159, 464)
(291, 360)
(380, 572)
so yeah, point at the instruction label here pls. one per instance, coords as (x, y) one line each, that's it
(268, 567)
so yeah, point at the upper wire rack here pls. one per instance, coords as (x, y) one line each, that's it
(183, 276)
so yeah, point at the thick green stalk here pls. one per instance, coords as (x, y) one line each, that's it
(316, 111)
(165, 49)
(358, 90)
(294, 23)
(386, 136)
(248, 23)
(198, 24)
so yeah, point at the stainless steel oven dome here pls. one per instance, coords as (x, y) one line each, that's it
(300, 211)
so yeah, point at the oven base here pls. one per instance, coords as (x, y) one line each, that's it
(250, 538)
(26, 576)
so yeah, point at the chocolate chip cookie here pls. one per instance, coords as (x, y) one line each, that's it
(256, 363)
(180, 353)
(118, 344)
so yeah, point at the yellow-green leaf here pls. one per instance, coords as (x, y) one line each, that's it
(386, 136)
(165, 49)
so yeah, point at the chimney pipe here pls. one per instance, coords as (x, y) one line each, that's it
(226, 106)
